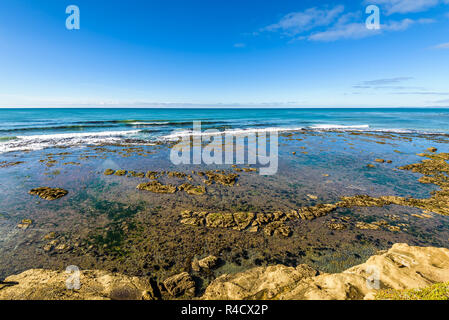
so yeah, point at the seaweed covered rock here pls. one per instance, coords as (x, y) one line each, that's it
(47, 193)
(220, 220)
(220, 178)
(109, 172)
(243, 219)
(277, 228)
(193, 190)
(157, 187)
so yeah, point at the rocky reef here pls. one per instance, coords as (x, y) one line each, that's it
(435, 170)
(47, 193)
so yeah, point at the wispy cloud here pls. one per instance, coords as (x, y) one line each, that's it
(295, 23)
(442, 46)
(406, 6)
(331, 24)
(239, 45)
(385, 81)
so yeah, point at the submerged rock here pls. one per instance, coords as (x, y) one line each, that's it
(47, 193)
(24, 224)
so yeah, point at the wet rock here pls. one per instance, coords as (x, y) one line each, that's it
(50, 236)
(336, 226)
(432, 149)
(10, 164)
(109, 172)
(175, 174)
(220, 220)
(209, 262)
(370, 165)
(47, 193)
(193, 190)
(180, 284)
(221, 178)
(380, 160)
(24, 224)
(120, 173)
(157, 187)
(243, 219)
(366, 226)
(277, 229)
(152, 175)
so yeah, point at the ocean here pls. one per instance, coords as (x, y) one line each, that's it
(34, 129)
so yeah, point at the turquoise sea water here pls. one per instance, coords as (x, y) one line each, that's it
(33, 129)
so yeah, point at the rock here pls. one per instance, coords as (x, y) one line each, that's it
(120, 173)
(293, 153)
(336, 226)
(380, 160)
(10, 164)
(243, 219)
(209, 262)
(370, 165)
(223, 179)
(401, 267)
(432, 149)
(311, 196)
(47, 193)
(180, 284)
(220, 220)
(50, 236)
(152, 175)
(40, 284)
(193, 190)
(367, 226)
(108, 172)
(24, 224)
(157, 187)
(277, 228)
(257, 283)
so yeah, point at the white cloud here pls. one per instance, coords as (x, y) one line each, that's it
(359, 30)
(239, 45)
(406, 6)
(297, 22)
(442, 46)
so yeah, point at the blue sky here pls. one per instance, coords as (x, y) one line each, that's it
(224, 53)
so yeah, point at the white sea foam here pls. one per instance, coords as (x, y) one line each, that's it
(338, 127)
(38, 142)
(234, 132)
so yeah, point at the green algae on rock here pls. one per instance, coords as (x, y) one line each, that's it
(47, 193)
(193, 190)
(157, 187)
(109, 172)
